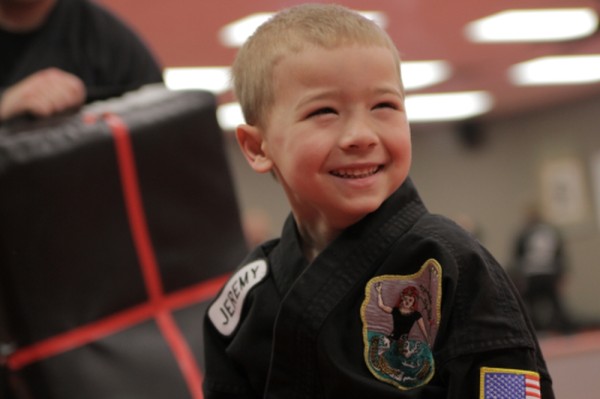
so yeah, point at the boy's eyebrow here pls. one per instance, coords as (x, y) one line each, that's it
(319, 94)
(390, 90)
(326, 93)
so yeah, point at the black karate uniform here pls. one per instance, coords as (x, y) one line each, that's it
(85, 39)
(297, 330)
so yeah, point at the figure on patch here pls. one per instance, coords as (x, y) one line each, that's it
(405, 314)
(398, 348)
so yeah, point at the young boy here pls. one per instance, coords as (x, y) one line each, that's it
(365, 294)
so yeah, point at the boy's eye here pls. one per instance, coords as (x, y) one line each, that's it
(386, 104)
(322, 111)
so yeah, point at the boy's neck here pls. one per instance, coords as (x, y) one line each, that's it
(315, 238)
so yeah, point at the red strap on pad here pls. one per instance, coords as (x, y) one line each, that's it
(159, 306)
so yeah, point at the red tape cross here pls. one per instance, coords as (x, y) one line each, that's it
(159, 305)
(109, 325)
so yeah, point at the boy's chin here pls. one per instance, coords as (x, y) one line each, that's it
(356, 212)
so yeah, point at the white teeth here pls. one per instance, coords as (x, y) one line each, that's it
(355, 173)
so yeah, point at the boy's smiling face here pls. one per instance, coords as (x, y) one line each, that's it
(337, 137)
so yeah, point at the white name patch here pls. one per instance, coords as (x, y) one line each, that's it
(225, 311)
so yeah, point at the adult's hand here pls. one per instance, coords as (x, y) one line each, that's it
(44, 93)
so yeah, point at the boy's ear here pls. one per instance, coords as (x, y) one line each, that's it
(251, 142)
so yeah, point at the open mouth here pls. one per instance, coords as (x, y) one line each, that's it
(356, 173)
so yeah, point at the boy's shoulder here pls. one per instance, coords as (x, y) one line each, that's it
(225, 310)
(448, 231)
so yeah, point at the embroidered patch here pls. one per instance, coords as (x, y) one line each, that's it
(401, 316)
(225, 311)
(499, 383)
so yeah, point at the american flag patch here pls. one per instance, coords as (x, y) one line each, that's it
(509, 384)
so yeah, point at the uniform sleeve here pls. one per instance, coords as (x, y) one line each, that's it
(222, 379)
(488, 332)
(464, 374)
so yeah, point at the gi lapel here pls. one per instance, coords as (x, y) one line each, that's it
(316, 292)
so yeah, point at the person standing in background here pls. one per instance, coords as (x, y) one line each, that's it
(60, 54)
(540, 266)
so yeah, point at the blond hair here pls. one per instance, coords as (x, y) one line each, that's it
(291, 31)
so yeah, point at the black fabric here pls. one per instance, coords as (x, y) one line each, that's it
(305, 339)
(87, 40)
(67, 255)
(14, 44)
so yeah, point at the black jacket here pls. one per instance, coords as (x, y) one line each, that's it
(86, 40)
(306, 331)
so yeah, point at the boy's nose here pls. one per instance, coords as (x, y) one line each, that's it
(358, 135)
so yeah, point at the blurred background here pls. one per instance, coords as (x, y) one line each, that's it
(527, 134)
(512, 143)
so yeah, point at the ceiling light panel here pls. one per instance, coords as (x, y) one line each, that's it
(578, 69)
(447, 106)
(420, 74)
(230, 116)
(214, 79)
(415, 75)
(534, 25)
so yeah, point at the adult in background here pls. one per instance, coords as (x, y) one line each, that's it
(540, 265)
(60, 54)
